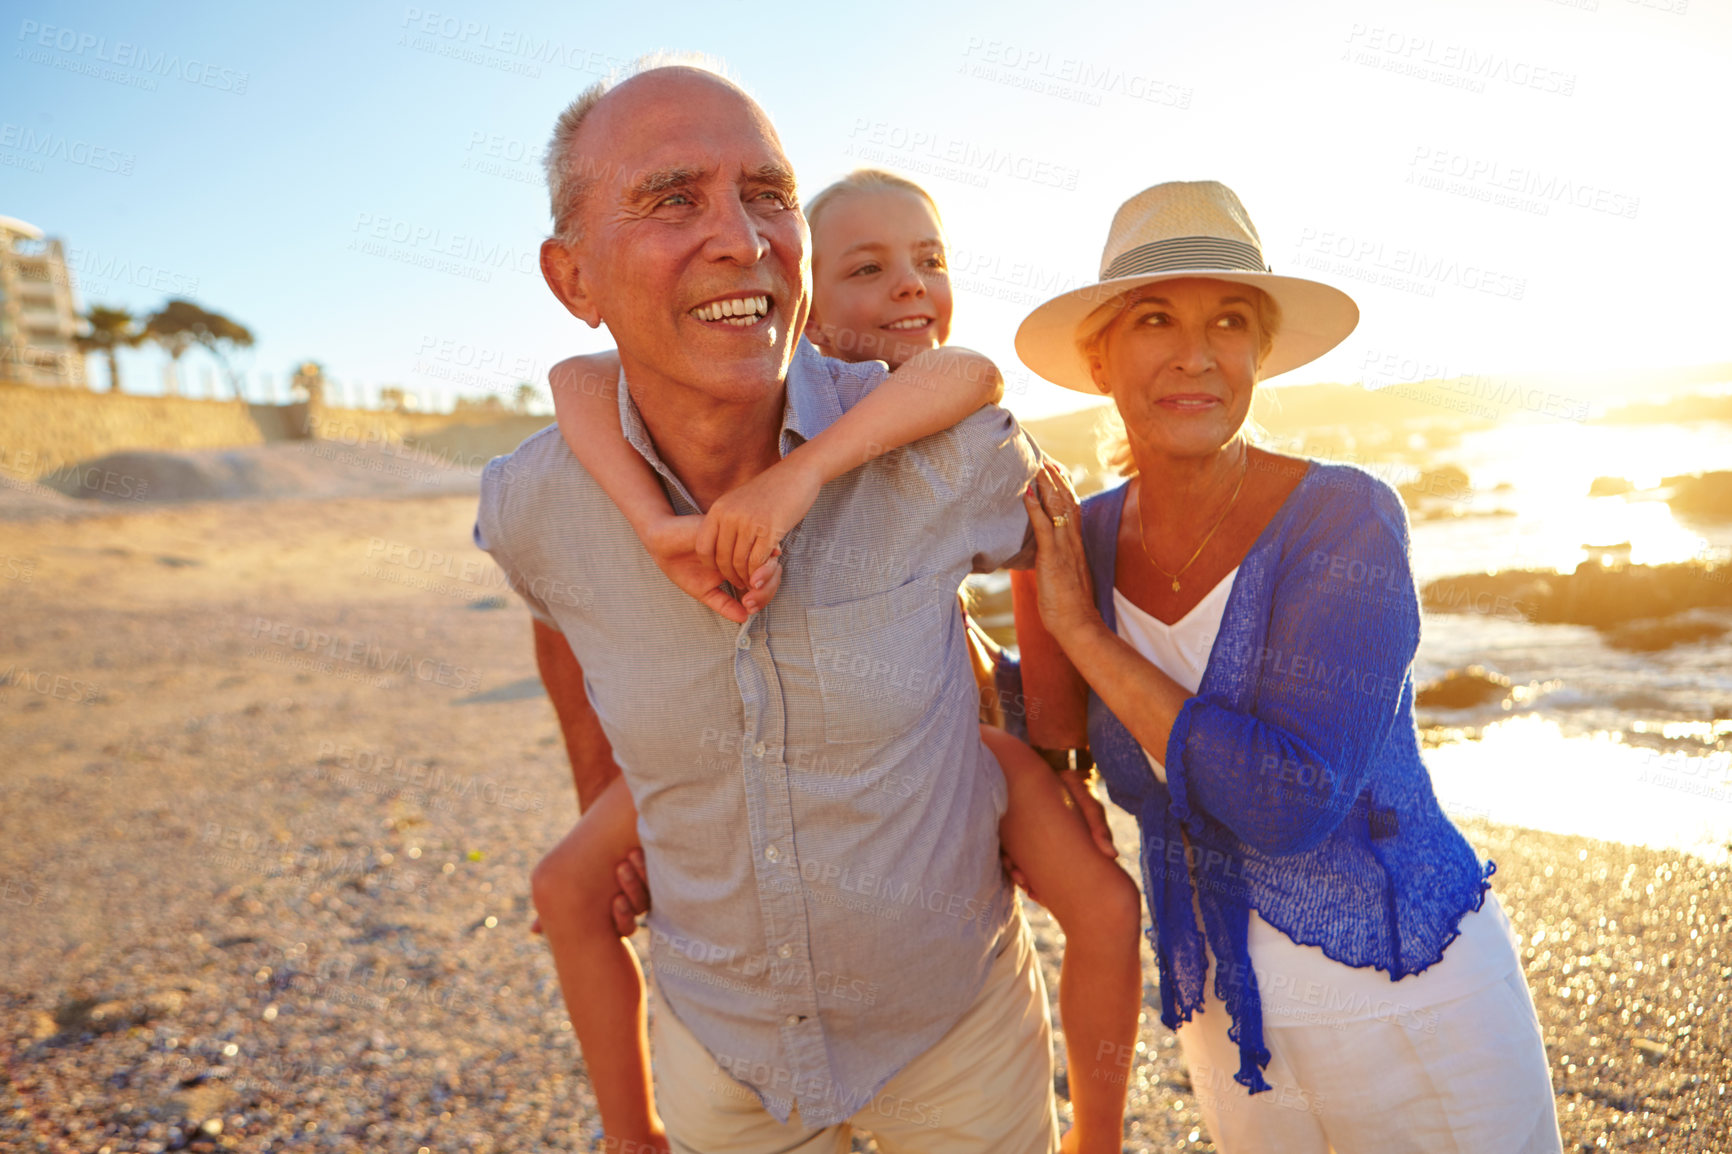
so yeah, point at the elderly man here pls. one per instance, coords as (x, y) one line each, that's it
(833, 941)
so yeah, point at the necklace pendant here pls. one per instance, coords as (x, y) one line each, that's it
(1175, 585)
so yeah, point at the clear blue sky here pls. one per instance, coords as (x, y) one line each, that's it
(238, 154)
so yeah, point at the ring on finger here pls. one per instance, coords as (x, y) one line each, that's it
(1060, 520)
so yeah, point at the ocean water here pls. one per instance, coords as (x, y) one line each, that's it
(1630, 747)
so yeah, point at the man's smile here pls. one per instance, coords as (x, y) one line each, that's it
(737, 312)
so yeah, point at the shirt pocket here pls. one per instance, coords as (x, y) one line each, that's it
(880, 660)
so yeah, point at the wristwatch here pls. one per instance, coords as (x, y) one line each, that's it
(1063, 760)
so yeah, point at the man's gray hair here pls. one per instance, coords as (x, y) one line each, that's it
(569, 177)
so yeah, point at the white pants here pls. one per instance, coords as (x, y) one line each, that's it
(983, 1088)
(1468, 1076)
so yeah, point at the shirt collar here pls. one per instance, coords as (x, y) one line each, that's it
(809, 406)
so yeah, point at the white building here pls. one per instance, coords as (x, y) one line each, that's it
(39, 321)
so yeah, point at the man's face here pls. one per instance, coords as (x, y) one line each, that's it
(692, 246)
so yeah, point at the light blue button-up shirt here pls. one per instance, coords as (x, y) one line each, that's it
(818, 815)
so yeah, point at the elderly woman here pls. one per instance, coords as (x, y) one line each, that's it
(1243, 625)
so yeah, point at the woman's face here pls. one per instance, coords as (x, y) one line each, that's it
(1180, 362)
(880, 280)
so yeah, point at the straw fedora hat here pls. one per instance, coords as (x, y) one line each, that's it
(1185, 229)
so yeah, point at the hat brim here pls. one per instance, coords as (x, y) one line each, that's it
(1315, 317)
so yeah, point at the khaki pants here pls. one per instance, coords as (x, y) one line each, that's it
(983, 1088)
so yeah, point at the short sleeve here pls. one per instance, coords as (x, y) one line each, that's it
(492, 535)
(999, 459)
(852, 381)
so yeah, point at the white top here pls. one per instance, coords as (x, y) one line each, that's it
(1301, 985)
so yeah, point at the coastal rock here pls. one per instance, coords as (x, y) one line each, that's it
(1708, 495)
(1653, 635)
(1464, 689)
(1606, 597)
(1445, 483)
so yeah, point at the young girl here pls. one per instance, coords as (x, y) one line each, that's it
(880, 291)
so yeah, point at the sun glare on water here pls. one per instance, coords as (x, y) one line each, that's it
(1526, 772)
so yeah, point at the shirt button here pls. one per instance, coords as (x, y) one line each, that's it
(744, 642)
(758, 749)
(793, 1019)
(786, 951)
(773, 853)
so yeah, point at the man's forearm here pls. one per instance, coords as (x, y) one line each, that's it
(587, 747)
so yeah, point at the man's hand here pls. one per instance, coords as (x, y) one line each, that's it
(633, 899)
(672, 544)
(1093, 812)
(745, 526)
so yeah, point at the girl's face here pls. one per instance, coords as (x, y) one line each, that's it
(880, 281)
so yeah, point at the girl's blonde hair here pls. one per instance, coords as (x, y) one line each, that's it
(866, 180)
(1112, 443)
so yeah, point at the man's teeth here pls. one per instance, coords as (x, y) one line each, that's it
(737, 311)
(909, 323)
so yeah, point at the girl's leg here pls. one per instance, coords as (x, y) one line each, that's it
(573, 887)
(1098, 907)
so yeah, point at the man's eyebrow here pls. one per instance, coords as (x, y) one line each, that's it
(777, 176)
(661, 180)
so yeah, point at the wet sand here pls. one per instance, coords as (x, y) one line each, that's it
(274, 777)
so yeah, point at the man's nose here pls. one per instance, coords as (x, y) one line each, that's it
(735, 234)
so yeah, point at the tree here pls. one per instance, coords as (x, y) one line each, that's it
(110, 331)
(180, 324)
(308, 383)
(523, 398)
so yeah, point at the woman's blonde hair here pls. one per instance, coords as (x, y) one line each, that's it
(1113, 444)
(866, 180)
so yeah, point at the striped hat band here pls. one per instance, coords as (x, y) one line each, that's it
(1186, 253)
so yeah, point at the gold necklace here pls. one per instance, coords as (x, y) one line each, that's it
(1207, 537)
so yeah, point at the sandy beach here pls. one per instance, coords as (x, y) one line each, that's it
(276, 773)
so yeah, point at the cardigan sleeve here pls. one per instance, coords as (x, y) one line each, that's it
(1323, 691)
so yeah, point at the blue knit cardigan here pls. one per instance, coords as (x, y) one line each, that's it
(1294, 780)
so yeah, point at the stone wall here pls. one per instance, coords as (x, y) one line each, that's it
(46, 429)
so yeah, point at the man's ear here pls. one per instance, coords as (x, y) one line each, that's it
(564, 275)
